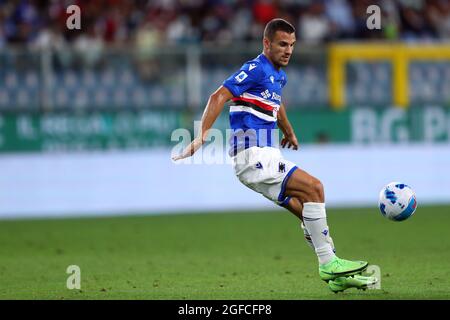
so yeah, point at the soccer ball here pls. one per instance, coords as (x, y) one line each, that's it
(397, 201)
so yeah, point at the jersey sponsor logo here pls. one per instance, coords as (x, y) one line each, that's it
(281, 167)
(259, 165)
(266, 94)
(276, 96)
(272, 79)
(252, 66)
(241, 76)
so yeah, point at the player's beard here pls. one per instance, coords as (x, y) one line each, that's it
(278, 61)
(283, 62)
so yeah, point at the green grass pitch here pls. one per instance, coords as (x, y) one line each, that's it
(246, 255)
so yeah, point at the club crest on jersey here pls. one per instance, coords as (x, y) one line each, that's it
(241, 76)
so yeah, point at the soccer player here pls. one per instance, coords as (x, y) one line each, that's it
(256, 110)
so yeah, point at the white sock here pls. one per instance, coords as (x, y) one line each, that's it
(309, 241)
(315, 220)
(307, 236)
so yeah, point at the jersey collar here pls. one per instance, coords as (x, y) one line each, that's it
(263, 57)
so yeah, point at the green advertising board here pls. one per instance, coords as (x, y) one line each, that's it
(86, 131)
(366, 125)
(105, 130)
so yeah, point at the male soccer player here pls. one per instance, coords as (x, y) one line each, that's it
(256, 110)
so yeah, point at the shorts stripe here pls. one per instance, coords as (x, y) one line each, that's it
(285, 202)
(283, 185)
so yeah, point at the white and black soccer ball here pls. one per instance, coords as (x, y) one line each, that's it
(397, 201)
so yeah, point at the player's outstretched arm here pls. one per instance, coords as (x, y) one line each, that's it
(289, 139)
(212, 110)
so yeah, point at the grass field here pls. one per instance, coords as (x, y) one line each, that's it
(221, 256)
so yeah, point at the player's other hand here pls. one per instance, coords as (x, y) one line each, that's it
(290, 141)
(189, 150)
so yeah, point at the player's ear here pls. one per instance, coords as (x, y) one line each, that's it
(266, 43)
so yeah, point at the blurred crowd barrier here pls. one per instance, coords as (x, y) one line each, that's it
(173, 78)
(183, 77)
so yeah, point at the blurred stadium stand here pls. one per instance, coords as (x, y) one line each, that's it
(173, 53)
(121, 80)
(42, 22)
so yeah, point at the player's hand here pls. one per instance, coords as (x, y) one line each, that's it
(189, 150)
(290, 141)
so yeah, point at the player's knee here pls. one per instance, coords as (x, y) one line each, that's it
(316, 193)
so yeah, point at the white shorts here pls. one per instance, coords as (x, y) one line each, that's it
(264, 170)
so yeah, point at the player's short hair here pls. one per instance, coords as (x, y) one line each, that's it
(275, 25)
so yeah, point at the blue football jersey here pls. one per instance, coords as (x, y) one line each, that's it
(256, 90)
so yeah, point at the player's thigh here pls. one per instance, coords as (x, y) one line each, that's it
(304, 187)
